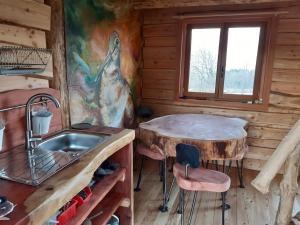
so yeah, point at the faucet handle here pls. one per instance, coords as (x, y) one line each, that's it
(33, 141)
(36, 139)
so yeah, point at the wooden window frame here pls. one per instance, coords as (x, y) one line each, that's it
(263, 71)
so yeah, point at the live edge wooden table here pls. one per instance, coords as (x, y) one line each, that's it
(218, 137)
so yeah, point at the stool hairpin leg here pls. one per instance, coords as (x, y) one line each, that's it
(223, 207)
(226, 170)
(181, 206)
(240, 169)
(164, 207)
(193, 208)
(171, 188)
(161, 171)
(137, 189)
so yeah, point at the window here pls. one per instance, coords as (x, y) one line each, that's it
(224, 59)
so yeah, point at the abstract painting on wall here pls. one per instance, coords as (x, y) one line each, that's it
(103, 54)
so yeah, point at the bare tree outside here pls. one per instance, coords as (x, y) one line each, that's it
(203, 70)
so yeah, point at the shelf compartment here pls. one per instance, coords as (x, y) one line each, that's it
(100, 190)
(109, 206)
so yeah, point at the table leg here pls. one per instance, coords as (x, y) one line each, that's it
(240, 169)
(207, 162)
(216, 164)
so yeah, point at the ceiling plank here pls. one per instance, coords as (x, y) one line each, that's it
(155, 4)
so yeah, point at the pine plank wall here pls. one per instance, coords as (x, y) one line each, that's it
(25, 23)
(267, 128)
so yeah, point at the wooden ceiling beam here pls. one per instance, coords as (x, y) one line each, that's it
(156, 4)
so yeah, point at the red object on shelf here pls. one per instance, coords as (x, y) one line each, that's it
(66, 215)
(80, 200)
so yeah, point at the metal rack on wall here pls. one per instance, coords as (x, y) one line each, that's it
(23, 60)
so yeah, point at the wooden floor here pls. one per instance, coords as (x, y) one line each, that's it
(248, 207)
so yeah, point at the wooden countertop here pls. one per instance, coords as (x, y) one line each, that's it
(39, 203)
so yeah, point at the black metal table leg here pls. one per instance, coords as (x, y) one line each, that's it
(216, 165)
(207, 162)
(240, 172)
(229, 167)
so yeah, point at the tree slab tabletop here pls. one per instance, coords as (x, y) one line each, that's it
(217, 137)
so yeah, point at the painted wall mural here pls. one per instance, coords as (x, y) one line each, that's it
(103, 53)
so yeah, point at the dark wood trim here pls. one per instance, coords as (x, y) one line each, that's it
(56, 41)
(268, 58)
(222, 60)
(232, 13)
(259, 63)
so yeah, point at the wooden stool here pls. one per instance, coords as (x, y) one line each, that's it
(155, 154)
(190, 177)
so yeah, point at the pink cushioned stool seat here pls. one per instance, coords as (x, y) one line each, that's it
(152, 153)
(201, 179)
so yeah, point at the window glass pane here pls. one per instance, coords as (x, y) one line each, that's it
(241, 60)
(204, 59)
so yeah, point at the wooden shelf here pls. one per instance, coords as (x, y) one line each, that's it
(109, 206)
(99, 192)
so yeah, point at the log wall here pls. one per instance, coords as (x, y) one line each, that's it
(24, 23)
(160, 30)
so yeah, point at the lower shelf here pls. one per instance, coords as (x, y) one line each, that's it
(99, 192)
(108, 207)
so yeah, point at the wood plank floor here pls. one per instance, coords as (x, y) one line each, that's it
(248, 207)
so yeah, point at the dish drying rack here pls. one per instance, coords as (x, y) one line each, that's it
(23, 60)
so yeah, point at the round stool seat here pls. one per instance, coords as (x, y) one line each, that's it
(152, 153)
(201, 179)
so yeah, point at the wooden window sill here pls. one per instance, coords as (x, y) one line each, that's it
(263, 107)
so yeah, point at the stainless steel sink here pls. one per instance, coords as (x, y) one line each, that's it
(72, 142)
(49, 157)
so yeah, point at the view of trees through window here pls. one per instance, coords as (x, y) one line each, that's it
(241, 57)
(204, 59)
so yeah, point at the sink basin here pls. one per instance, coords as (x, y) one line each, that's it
(50, 156)
(72, 142)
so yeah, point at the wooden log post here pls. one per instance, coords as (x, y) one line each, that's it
(288, 188)
(276, 161)
(56, 41)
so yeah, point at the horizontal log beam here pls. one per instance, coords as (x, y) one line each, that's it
(152, 4)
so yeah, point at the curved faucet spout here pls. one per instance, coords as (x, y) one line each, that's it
(29, 136)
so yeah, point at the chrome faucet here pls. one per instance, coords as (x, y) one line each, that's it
(30, 139)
